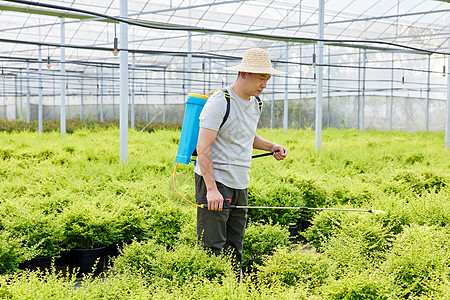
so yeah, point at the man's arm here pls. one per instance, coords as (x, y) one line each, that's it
(262, 144)
(206, 138)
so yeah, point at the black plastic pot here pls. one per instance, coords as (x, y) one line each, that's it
(293, 231)
(63, 259)
(111, 252)
(42, 262)
(88, 260)
(303, 224)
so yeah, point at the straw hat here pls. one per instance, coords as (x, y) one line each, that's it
(256, 60)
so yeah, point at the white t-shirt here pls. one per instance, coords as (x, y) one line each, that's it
(232, 150)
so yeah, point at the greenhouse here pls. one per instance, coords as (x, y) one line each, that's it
(383, 63)
(92, 103)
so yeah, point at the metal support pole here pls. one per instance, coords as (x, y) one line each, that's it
(133, 82)
(81, 99)
(5, 116)
(447, 127)
(101, 94)
(146, 97)
(62, 108)
(300, 89)
(40, 115)
(189, 56)
(114, 93)
(15, 97)
(427, 112)
(300, 70)
(164, 96)
(123, 83)
(273, 102)
(358, 123)
(328, 90)
(28, 93)
(363, 102)
(209, 75)
(391, 104)
(21, 96)
(96, 98)
(319, 77)
(286, 97)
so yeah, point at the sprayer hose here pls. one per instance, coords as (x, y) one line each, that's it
(175, 186)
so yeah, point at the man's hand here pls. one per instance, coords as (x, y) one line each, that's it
(281, 154)
(215, 199)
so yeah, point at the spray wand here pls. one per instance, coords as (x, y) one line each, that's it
(227, 205)
(227, 202)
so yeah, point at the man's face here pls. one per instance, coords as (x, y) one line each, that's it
(256, 83)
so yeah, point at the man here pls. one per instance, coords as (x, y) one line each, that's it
(224, 154)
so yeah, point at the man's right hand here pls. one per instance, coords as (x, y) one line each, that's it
(215, 199)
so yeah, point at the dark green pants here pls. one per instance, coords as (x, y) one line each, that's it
(222, 230)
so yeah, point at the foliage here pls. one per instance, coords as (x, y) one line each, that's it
(419, 263)
(74, 125)
(11, 252)
(86, 226)
(262, 239)
(56, 285)
(287, 190)
(73, 191)
(364, 285)
(298, 267)
(181, 265)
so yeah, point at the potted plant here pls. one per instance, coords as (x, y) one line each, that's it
(87, 230)
(40, 235)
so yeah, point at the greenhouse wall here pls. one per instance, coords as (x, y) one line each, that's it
(408, 114)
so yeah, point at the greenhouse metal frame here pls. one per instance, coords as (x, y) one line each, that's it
(371, 64)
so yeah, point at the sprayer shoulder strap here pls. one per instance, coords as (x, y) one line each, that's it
(228, 98)
(227, 112)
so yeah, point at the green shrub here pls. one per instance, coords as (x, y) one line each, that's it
(188, 233)
(87, 226)
(74, 125)
(165, 223)
(290, 191)
(181, 265)
(55, 285)
(298, 267)
(323, 227)
(417, 182)
(130, 221)
(262, 239)
(12, 252)
(353, 192)
(419, 262)
(40, 233)
(373, 231)
(358, 286)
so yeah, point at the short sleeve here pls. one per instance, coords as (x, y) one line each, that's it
(213, 112)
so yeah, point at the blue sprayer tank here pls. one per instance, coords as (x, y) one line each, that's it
(190, 129)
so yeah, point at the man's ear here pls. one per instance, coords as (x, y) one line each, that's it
(243, 75)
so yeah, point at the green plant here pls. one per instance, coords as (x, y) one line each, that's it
(419, 262)
(297, 267)
(418, 182)
(181, 265)
(40, 233)
(86, 226)
(165, 222)
(262, 239)
(365, 285)
(12, 252)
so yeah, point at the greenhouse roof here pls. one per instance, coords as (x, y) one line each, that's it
(222, 28)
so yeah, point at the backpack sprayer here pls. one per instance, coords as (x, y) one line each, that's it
(188, 144)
